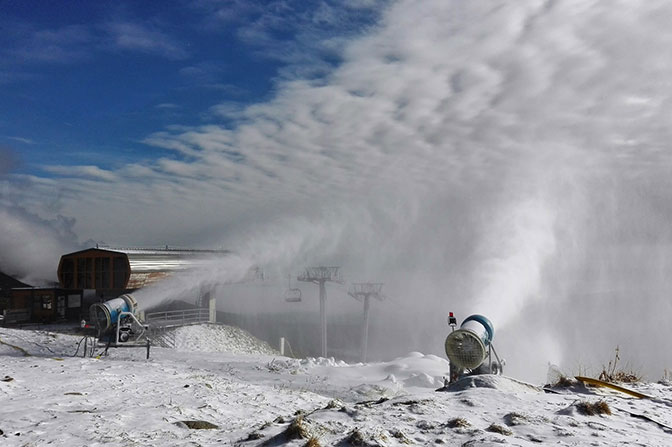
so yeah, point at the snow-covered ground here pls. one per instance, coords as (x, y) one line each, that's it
(49, 397)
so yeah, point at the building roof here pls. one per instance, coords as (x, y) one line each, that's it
(149, 265)
(7, 282)
(145, 260)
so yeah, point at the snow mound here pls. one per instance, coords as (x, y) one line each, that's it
(501, 383)
(24, 343)
(423, 380)
(219, 338)
(323, 361)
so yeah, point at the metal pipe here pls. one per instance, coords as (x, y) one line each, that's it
(323, 317)
(365, 328)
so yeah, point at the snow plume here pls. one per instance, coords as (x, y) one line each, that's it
(517, 245)
(273, 248)
(31, 246)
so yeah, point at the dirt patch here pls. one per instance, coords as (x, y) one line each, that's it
(196, 425)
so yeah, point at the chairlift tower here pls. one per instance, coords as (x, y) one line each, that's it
(362, 292)
(319, 276)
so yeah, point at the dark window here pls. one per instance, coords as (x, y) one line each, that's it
(81, 272)
(120, 272)
(89, 274)
(37, 303)
(68, 273)
(106, 274)
(99, 274)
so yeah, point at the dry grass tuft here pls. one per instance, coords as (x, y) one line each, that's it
(313, 442)
(297, 429)
(401, 437)
(613, 373)
(197, 425)
(515, 419)
(564, 382)
(357, 439)
(592, 409)
(458, 423)
(334, 405)
(496, 428)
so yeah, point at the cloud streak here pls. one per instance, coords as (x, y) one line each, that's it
(26, 44)
(137, 37)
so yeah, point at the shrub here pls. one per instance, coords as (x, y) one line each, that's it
(613, 373)
(496, 428)
(594, 408)
(458, 423)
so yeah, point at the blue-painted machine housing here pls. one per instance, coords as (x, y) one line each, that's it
(487, 325)
(106, 315)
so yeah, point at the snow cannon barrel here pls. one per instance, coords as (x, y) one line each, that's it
(467, 347)
(106, 315)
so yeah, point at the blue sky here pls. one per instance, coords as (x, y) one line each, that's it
(85, 82)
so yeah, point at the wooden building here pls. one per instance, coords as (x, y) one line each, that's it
(113, 272)
(105, 271)
(94, 275)
(7, 283)
(45, 305)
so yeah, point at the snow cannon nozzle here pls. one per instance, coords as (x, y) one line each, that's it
(470, 346)
(106, 315)
(117, 323)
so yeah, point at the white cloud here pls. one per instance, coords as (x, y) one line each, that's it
(58, 45)
(88, 171)
(73, 43)
(135, 36)
(167, 105)
(22, 140)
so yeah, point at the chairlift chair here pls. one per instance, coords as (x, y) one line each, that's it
(292, 294)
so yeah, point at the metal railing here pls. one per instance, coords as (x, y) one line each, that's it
(15, 316)
(175, 318)
(164, 337)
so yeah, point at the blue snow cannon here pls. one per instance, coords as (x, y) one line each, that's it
(469, 346)
(106, 316)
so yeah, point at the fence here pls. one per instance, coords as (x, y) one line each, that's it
(164, 337)
(15, 316)
(175, 318)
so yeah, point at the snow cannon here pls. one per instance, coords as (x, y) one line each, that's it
(107, 315)
(470, 346)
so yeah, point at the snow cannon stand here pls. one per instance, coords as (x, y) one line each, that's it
(117, 324)
(470, 349)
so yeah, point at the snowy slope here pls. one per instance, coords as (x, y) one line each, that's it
(49, 397)
(219, 338)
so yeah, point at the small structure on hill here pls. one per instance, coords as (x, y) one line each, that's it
(7, 283)
(113, 272)
(44, 305)
(98, 274)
